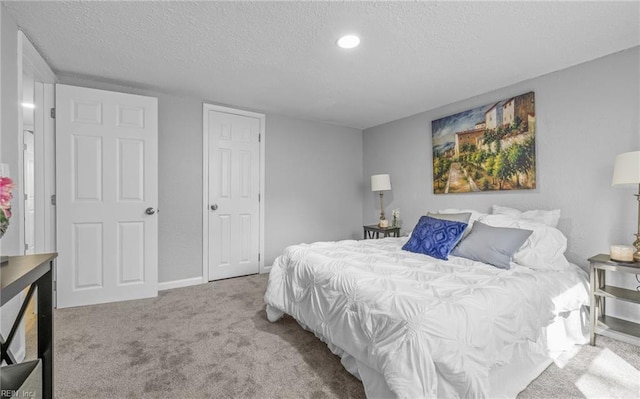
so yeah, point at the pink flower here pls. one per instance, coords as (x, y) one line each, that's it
(6, 185)
(6, 182)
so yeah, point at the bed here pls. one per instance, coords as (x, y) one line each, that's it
(409, 325)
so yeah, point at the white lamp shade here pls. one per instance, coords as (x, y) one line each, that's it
(626, 173)
(380, 183)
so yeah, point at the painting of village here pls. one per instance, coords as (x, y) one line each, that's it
(489, 148)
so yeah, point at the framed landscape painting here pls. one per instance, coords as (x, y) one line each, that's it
(488, 148)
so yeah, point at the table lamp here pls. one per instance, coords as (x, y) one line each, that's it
(381, 183)
(626, 174)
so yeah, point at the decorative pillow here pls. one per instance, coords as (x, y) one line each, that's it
(543, 250)
(435, 237)
(550, 218)
(492, 245)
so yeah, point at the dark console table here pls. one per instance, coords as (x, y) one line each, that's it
(31, 271)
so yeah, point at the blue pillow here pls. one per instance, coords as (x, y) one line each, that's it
(435, 237)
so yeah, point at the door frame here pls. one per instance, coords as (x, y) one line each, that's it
(205, 183)
(28, 59)
(44, 157)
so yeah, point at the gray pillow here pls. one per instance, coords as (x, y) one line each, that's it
(454, 217)
(492, 245)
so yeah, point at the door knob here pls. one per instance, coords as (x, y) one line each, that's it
(149, 211)
(214, 207)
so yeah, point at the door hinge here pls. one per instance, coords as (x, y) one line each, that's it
(26, 246)
(258, 197)
(55, 285)
(24, 147)
(259, 138)
(53, 199)
(258, 256)
(53, 113)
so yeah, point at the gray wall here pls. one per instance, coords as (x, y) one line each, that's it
(313, 183)
(10, 110)
(9, 147)
(585, 116)
(179, 187)
(313, 176)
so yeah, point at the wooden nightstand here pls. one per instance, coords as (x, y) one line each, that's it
(373, 231)
(602, 324)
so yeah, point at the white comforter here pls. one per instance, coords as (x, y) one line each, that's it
(417, 321)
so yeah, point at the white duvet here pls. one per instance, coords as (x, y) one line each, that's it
(428, 327)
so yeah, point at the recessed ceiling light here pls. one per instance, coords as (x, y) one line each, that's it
(349, 41)
(29, 105)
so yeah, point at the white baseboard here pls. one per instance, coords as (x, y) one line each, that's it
(265, 269)
(167, 285)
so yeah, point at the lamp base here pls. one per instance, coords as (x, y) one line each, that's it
(384, 223)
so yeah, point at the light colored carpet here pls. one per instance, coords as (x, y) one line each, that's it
(213, 341)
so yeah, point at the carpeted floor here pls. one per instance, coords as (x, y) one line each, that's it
(214, 341)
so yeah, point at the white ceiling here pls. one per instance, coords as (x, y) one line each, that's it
(281, 57)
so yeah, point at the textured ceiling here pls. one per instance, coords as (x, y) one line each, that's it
(281, 57)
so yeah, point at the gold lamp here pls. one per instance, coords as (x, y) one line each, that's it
(626, 174)
(381, 183)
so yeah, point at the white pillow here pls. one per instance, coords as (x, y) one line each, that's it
(543, 250)
(475, 215)
(550, 218)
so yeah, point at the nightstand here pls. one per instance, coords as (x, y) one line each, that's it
(602, 324)
(373, 231)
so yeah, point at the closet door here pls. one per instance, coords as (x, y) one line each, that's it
(233, 214)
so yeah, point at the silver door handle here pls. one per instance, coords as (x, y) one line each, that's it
(149, 211)
(214, 207)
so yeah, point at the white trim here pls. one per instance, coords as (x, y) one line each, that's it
(18, 194)
(49, 185)
(266, 269)
(39, 182)
(205, 195)
(186, 282)
(45, 182)
(34, 61)
(205, 182)
(29, 60)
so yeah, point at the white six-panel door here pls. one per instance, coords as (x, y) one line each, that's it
(233, 192)
(107, 194)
